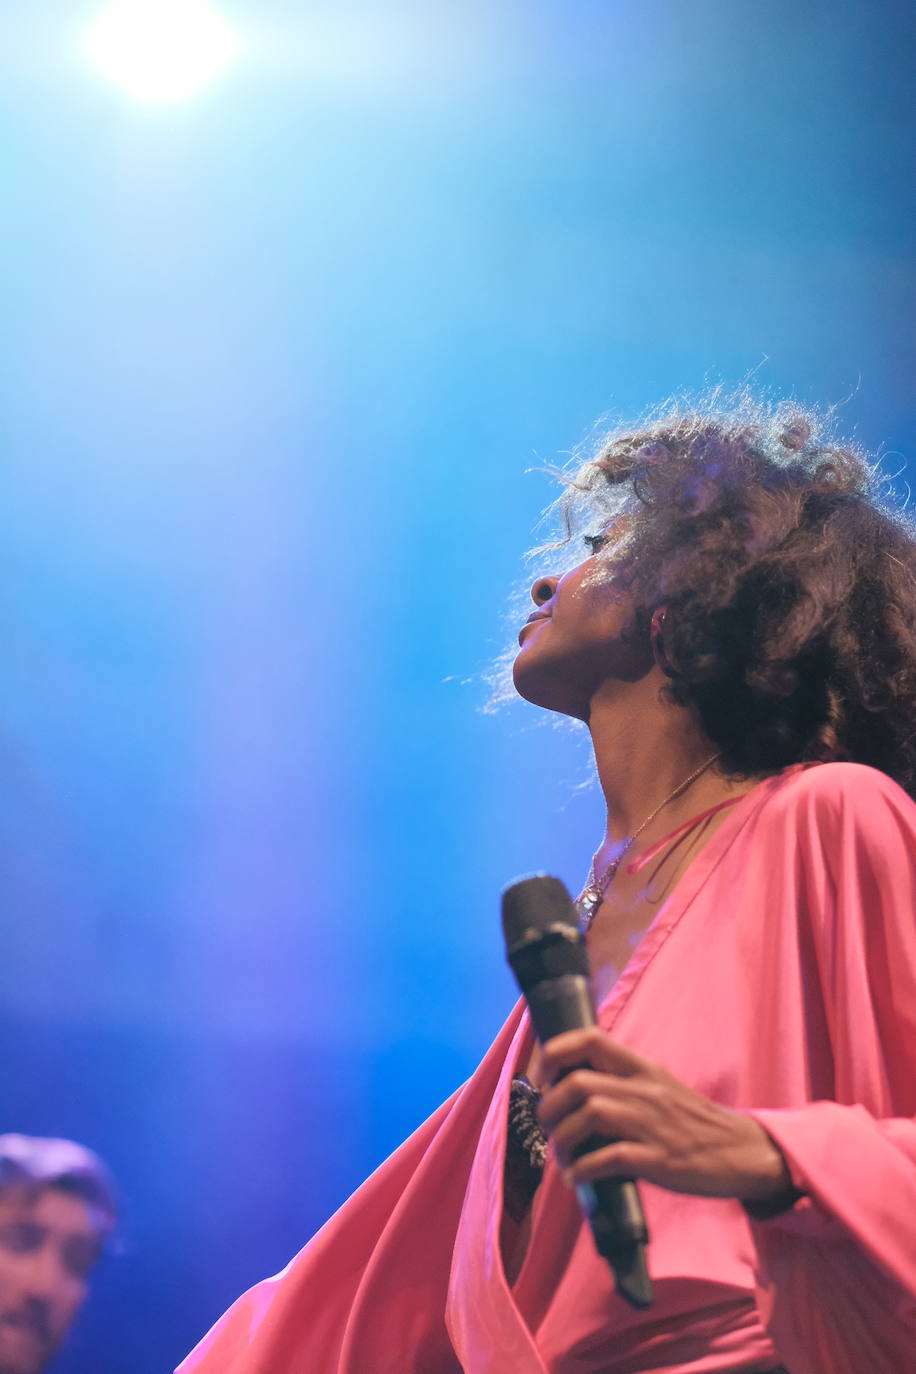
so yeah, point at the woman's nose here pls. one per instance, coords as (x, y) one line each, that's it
(543, 590)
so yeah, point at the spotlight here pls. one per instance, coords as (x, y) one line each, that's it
(162, 50)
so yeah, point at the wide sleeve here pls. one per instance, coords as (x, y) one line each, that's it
(837, 1272)
(369, 1291)
(301, 1315)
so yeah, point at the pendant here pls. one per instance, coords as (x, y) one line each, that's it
(587, 904)
(592, 895)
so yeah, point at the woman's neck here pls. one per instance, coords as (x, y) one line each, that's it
(645, 750)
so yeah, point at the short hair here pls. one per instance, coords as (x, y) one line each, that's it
(38, 1162)
(788, 570)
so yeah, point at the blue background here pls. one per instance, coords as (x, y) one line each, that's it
(275, 365)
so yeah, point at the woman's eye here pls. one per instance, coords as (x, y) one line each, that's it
(595, 542)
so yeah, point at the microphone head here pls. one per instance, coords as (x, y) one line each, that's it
(533, 906)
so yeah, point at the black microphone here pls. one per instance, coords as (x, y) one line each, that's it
(549, 958)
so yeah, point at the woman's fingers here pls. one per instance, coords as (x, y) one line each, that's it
(606, 1091)
(591, 1046)
(622, 1159)
(598, 1119)
(582, 1086)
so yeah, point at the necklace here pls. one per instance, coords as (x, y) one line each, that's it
(592, 894)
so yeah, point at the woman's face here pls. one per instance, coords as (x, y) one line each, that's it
(571, 645)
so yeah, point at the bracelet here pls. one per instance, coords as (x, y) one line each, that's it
(763, 1209)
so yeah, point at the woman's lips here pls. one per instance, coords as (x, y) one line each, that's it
(532, 620)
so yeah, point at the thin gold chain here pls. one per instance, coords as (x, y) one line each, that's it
(592, 894)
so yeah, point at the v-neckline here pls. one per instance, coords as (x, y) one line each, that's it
(611, 1006)
(682, 896)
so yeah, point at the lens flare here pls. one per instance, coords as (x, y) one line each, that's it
(162, 51)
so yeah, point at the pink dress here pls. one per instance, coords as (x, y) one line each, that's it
(779, 978)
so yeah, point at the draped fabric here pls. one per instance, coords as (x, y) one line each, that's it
(779, 978)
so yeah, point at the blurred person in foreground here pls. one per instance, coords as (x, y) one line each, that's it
(739, 636)
(57, 1211)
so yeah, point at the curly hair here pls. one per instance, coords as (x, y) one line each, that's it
(787, 571)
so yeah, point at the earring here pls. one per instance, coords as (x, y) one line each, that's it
(656, 639)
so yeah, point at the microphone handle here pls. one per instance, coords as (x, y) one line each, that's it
(611, 1205)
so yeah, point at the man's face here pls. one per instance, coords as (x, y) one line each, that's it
(48, 1245)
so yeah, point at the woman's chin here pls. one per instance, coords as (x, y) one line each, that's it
(543, 689)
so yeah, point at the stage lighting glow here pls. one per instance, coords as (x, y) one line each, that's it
(162, 50)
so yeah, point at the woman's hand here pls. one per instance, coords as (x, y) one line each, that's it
(662, 1130)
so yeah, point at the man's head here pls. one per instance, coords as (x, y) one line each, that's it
(56, 1211)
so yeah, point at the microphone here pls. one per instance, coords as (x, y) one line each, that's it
(549, 958)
